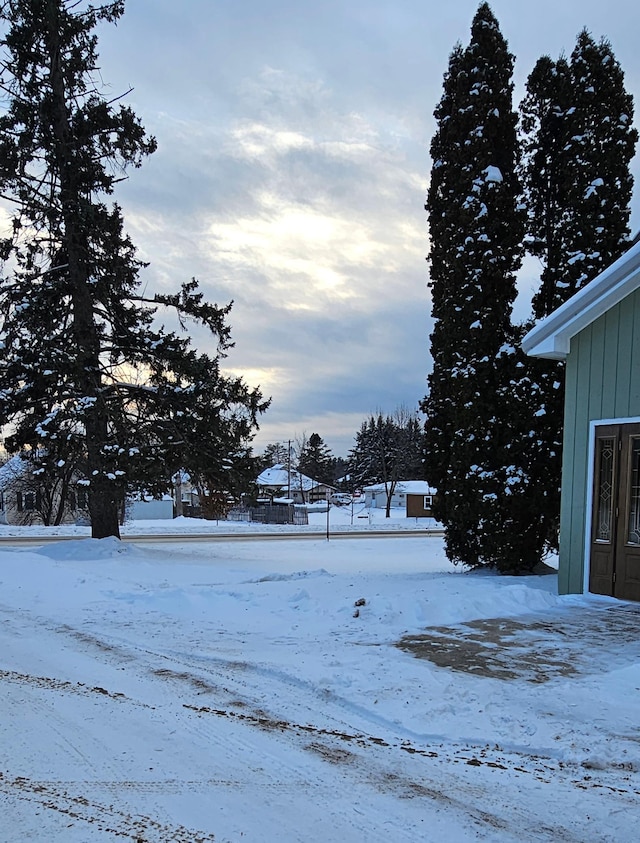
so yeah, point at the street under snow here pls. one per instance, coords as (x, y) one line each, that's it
(254, 691)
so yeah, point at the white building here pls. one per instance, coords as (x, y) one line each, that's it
(376, 496)
(279, 481)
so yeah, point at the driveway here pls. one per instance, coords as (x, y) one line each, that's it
(538, 647)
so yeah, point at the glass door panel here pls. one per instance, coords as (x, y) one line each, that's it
(633, 527)
(604, 490)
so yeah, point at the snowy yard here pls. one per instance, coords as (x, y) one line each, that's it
(253, 691)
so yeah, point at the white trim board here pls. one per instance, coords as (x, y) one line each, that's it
(551, 337)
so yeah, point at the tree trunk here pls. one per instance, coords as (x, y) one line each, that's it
(103, 497)
(103, 509)
(389, 489)
(103, 492)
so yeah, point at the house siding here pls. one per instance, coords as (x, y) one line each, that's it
(601, 383)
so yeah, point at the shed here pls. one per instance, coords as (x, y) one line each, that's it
(420, 504)
(376, 495)
(597, 333)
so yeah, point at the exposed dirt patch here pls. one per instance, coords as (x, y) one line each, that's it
(536, 648)
(264, 721)
(196, 682)
(332, 754)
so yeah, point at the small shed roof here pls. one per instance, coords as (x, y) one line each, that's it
(551, 337)
(408, 487)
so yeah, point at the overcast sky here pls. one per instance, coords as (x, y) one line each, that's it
(291, 172)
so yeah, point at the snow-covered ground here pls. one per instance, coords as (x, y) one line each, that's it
(253, 691)
(341, 519)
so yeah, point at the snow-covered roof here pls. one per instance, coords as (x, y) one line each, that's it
(278, 476)
(13, 468)
(551, 337)
(405, 487)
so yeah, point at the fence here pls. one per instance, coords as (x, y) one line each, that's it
(270, 514)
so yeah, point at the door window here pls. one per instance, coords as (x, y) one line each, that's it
(604, 499)
(633, 532)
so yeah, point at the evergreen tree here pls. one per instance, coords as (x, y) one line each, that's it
(316, 460)
(84, 366)
(388, 449)
(579, 140)
(546, 174)
(476, 230)
(603, 144)
(578, 143)
(341, 477)
(362, 467)
(276, 453)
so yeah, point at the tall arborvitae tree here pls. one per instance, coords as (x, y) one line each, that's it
(547, 179)
(579, 140)
(602, 144)
(83, 366)
(578, 143)
(476, 231)
(546, 175)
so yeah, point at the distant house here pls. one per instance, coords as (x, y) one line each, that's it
(407, 493)
(25, 499)
(597, 333)
(280, 482)
(186, 498)
(151, 509)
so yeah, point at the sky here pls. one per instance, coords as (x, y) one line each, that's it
(291, 174)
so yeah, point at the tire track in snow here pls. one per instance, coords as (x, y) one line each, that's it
(228, 677)
(59, 797)
(474, 752)
(80, 688)
(292, 797)
(218, 677)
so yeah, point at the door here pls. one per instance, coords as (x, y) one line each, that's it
(615, 530)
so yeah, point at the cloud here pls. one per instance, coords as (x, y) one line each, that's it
(309, 217)
(291, 173)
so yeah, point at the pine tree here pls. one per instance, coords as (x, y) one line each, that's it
(388, 449)
(363, 470)
(316, 460)
(276, 453)
(476, 230)
(84, 367)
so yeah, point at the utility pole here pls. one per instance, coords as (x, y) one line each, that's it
(328, 510)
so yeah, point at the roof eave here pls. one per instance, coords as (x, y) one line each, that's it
(552, 336)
